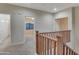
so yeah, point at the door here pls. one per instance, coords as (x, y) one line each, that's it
(62, 23)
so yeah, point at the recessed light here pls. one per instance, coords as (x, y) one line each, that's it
(33, 18)
(55, 9)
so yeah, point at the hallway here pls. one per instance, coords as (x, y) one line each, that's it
(28, 48)
(22, 22)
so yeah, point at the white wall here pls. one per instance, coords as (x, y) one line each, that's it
(43, 20)
(4, 26)
(5, 34)
(76, 28)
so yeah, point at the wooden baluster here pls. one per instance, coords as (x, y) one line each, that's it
(63, 34)
(43, 45)
(50, 47)
(37, 42)
(54, 48)
(63, 49)
(75, 53)
(51, 34)
(69, 52)
(39, 45)
(72, 52)
(59, 45)
(47, 34)
(66, 50)
(47, 46)
(68, 36)
(54, 35)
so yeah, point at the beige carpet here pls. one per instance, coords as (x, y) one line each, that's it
(28, 48)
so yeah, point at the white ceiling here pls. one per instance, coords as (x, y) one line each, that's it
(48, 7)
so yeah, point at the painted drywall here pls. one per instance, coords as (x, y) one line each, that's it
(4, 26)
(43, 21)
(5, 34)
(76, 28)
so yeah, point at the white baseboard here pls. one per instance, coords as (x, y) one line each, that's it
(17, 43)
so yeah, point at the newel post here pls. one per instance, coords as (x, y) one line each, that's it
(37, 32)
(59, 45)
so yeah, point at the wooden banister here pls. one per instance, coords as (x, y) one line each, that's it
(45, 45)
(63, 49)
(37, 33)
(50, 45)
(65, 34)
(68, 51)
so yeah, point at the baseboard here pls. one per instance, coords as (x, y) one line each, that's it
(17, 43)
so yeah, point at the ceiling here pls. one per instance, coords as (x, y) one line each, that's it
(48, 7)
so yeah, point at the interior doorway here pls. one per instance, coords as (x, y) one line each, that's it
(29, 35)
(29, 27)
(62, 23)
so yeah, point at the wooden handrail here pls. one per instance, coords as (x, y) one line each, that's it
(55, 31)
(65, 34)
(63, 49)
(47, 45)
(68, 51)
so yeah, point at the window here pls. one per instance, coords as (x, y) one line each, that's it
(29, 26)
